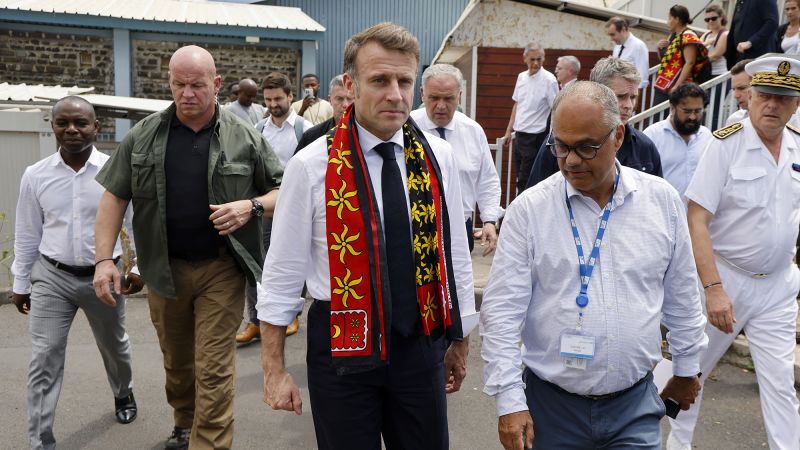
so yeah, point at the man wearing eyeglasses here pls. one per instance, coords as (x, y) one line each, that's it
(586, 299)
(681, 138)
(744, 213)
(637, 150)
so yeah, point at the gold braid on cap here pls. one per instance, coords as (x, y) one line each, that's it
(788, 81)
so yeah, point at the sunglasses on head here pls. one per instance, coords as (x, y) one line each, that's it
(711, 19)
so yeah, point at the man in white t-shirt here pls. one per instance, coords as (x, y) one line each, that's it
(533, 97)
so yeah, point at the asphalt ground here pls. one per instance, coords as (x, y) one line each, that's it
(731, 417)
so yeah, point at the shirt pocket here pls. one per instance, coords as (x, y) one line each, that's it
(795, 188)
(143, 176)
(234, 180)
(748, 186)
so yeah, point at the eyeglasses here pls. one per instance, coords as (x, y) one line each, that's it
(584, 151)
(689, 112)
(711, 19)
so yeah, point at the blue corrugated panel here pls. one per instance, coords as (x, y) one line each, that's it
(428, 20)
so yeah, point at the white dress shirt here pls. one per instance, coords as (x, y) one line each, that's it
(645, 274)
(476, 170)
(534, 95)
(755, 202)
(636, 53)
(283, 140)
(300, 214)
(678, 158)
(56, 213)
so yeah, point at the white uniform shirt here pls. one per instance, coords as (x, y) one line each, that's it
(300, 214)
(283, 140)
(737, 116)
(755, 202)
(636, 53)
(56, 214)
(534, 95)
(476, 170)
(645, 274)
(678, 159)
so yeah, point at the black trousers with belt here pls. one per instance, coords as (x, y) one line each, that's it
(526, 147)
(403, 401)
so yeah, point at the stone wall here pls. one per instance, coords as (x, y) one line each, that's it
(44, 58)
(234, 62)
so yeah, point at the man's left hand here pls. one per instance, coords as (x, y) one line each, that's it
(229, 217)
(133, 284)
(455, 365)
(683, 390)
(742, 47)
(488, 238)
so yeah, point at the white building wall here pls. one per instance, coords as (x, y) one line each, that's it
(505, 23)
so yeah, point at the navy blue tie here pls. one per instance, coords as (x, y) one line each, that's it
(399, 252)
(441, 132)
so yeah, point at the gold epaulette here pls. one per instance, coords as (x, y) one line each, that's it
(793, 128)
(722, 133)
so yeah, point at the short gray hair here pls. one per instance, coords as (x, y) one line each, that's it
(609, 68)
(571, 60)
(533, 45)
(337, 81)
(437, 70)
(594, 92)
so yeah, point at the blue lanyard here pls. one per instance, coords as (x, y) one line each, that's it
(586, 269)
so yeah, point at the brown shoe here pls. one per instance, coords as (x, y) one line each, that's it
(250, 332)
(293, 327)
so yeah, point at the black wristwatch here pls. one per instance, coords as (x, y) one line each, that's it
(258, 208)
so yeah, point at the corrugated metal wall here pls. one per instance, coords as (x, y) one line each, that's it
(428, 20)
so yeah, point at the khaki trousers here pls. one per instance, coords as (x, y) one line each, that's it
(196, 332)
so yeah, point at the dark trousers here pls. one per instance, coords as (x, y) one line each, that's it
(470, 235)
(564, 421)
(251, 293)
(526, 147)
(403, 401)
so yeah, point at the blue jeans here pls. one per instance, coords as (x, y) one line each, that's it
(566, 421)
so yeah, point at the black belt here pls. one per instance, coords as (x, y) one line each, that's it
(601, 396)
(78, 271)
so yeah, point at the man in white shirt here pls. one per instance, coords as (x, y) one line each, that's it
(740, 85)
(380, 356)
(567, 69)
(582, 313)
(681, 138)
(533, 97)
(312, 108)
(629, 47)
(54, 261)
(282, 130)
(440, 92)
(744, 213)
(245, 107)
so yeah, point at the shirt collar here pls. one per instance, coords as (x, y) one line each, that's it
(368, 140)
(428, 125)
(95, 158)
(627, 184)
(289, 120)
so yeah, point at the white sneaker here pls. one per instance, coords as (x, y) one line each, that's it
(674, 444)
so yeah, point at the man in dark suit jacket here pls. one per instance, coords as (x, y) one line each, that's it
(752, 30)
(340, 99)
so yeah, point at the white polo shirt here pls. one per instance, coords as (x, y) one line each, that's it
(534, 95)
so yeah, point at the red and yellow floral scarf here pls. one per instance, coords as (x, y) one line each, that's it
(360, 298)
(672, 62)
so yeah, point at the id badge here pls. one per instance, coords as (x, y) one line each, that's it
(576, 349)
